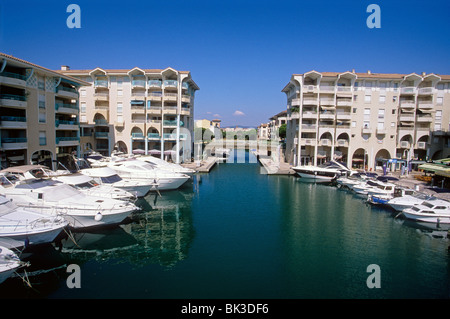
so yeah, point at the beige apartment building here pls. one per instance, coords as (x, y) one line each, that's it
(39, 115)
(138, 110)
(364, 118)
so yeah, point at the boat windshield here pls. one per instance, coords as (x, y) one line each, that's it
(86, 185)
(427, 204)
(111, 179)
(416, 209)
(6, 206)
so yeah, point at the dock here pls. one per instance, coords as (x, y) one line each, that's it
(203, 166)
(272, 167)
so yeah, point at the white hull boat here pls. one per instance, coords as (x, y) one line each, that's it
(55, 198)
(433, 211)
(9, 262)
(20, 227)
(162, 164)
(326, 172)
(89, 186)
(407, 201)
(138, 170)
(108, 176)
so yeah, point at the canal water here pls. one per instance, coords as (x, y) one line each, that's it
(237, 233)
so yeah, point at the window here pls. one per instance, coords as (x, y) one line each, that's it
(392, 124)
(41, 101)
(83, 119)
(367, 98)
(354, 110)
(83, 107)
(42, 138)
(42, 117)
(381, 113)
(354, 124)
(119, 118)
(119, 82)
(438, 116)
(83, 92)
(355, 97)
(437, 126)
(119, 107)
(383, 99)
(393, 111)
(119, 93)
(394, 98)
(440, 100)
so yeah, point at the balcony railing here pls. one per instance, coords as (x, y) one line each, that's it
(14, 140)
(67, 139)
(154, 83)
(101, 122)
(14, 75)
(408, 90)
(13, 118)
(66, 105)
(140, 83)
(67, 89)
(427, 90)
(101, 134)
(153, 136)
(64, 122)
(13, 97)
(137, 135)
(170, 83)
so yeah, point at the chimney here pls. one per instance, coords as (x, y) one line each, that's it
(423, 73)
(369, 72)
(65, 68)
(353, 70)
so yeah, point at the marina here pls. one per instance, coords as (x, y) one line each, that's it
(237, 233)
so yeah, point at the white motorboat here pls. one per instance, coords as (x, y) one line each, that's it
(384, 197)
(381, 189)
(89, 186)
(373, 186)
(326, 172)
(164, 165)
(55, 198)
(408, 200)
(9, 262)
(20, 227)
(430, 211)
(133, 169)
(108, 176)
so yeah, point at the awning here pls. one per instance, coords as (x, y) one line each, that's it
(439, 167)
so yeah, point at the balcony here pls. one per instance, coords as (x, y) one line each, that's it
(137, 109)
(67, 92)
(310, 89)
(424, 118)
(406, 118)
(344, 102)
(138, 83)
(344, 116)
(309, 127)
(327, 115)
(101, 135)
(13, 100)
(381, 131)
(426, 91)
(101, 83)
(13, 79)
(66, 125)
(295, 102)
(185, 110)
(154, 109)
(325, 142)
(186, 98)
(101, 96)
(155, 96)
(407, 104)
(308, 142)
(137, 136)
(327, 102)
(67, 140)
(421, 145)
(344, 91)
(153, 136)
(426, 105)
(366, 130)
(173, 136)
(404, 144)
(408, 90)
(101, 122)
(170, 83)
(342, 143)
(66, 108)
(170, 109)
(309, 115)
(13, 122)
(154, 83)
(327, 89)
(170, 96)
(14, 143)
(172, 123)
(310, 101)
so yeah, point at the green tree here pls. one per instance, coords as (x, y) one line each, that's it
(282, 131)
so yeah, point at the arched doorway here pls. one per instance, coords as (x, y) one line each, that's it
(359, 159)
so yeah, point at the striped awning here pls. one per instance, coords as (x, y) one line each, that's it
(438, 167)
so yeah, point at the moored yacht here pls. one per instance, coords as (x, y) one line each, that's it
(108, 176)
(432, 211)
(20, 227)
(164, 165)
(55, 198)
(326, 172)
(408, 200)
(9, 262)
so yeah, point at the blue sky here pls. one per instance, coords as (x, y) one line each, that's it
(241, 53)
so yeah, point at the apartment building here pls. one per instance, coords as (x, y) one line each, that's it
(138, 110)
(39, 115)
(364, 118)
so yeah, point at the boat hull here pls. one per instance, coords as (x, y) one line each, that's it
(21, 239)
(9, 262)
(427, 218)
(312, 177)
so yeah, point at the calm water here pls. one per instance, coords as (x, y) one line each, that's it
(242, 234)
